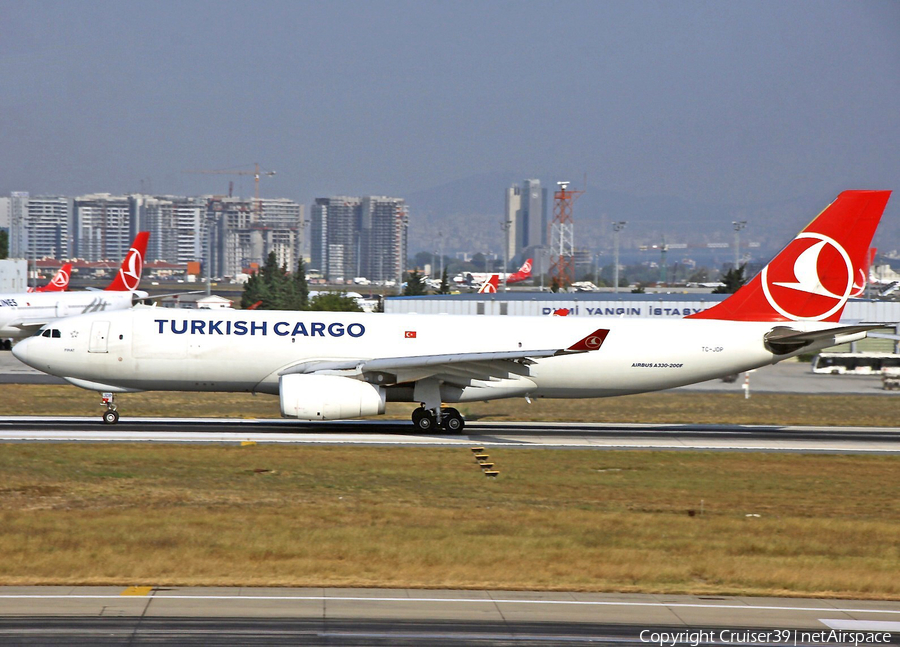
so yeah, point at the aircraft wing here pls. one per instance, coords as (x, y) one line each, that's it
(29, 325)
(452, 368)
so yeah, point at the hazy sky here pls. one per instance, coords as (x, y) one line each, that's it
(711, 101)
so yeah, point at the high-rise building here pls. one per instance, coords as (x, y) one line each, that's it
(334, 237)
(526, 217)
(351, 236)
(103, 227)
(534, 214)
(40, 227)
(512, 231)
(175, 223)
(4, 213)
(384, 225)
(244, 232)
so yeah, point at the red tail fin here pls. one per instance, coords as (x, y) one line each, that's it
(523, 273)
(59, 282)
(129, 277)
(812, 278)
(490, 285)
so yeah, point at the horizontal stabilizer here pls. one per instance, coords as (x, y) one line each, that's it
(783, 339)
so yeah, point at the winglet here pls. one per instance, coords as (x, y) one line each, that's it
(129, 277)
(591, 342)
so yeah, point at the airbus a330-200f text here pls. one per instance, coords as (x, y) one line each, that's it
(345, 365)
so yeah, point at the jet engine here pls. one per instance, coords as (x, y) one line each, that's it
(328, 397)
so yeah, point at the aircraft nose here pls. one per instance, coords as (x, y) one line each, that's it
(20, 351)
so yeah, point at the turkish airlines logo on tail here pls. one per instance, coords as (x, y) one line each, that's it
(810, 280)
(130, 272)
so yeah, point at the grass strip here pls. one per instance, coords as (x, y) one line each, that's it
(654, 522)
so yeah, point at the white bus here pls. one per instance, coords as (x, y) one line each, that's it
(854, 363)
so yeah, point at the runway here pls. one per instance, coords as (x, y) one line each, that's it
(144, 615)
(524, 435)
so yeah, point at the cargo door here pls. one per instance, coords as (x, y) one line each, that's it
(62, 310)
(99, 337)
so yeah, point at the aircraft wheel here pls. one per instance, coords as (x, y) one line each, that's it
(423, 419)
(452, 421)
(111, 417)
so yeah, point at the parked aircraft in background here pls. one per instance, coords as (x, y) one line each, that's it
(59, 282)
(23, 313)
(474, 279)
(331, 365)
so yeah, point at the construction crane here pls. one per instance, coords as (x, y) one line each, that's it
(256, 173)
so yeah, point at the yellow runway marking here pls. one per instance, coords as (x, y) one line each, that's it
(137, 590)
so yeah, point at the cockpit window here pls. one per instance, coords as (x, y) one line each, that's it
(49, 332)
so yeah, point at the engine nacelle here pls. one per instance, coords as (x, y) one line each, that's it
(328, 397)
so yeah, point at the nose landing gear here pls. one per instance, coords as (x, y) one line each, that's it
(110, 416)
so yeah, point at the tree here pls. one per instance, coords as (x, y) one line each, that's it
(334, 302)
(274, 287)
(445, 283)
(415, 286)
(255, 290)
(299, 288)
(4, 243)
(733, 280)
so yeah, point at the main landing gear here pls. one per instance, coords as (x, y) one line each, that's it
(450, 420)
(110, 416)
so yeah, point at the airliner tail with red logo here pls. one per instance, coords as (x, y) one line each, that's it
(490, 286)
(59, 282)
(129, 276)
(813, 277)
(523, 274)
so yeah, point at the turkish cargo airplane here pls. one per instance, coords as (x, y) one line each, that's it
(59, 282)
(331, 365)
(23, 313)
(476, 278)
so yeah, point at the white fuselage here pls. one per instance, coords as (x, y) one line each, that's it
(23, 313)
(233, 350)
